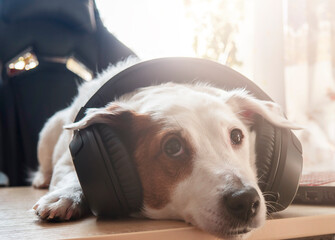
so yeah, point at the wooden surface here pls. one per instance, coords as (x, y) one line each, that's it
(17, 221)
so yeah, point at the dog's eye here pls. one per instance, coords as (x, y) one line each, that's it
(173, 147)
(236, 136)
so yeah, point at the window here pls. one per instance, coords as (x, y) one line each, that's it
(286, 47)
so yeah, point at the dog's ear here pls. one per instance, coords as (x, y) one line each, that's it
(114, 115)
(246, 106)
(127, 124)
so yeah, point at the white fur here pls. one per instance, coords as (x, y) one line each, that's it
(204, 114)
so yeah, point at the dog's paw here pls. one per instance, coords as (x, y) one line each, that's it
(41, 180)
(60, 205)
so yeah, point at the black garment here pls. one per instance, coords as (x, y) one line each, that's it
(57, 28)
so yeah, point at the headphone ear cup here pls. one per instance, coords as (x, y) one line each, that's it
(266, 159)
(126, 177)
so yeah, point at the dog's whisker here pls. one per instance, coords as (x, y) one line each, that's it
(270, 194)
(177, 122)
(271, 209)
(260, 179)
(276, 203)
(272, 205)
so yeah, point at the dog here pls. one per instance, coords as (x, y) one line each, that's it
(192, 146)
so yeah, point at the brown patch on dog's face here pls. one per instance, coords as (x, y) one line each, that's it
(163, 159)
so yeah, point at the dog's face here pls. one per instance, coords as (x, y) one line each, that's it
(194, 153)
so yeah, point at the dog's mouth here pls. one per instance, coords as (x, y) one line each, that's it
(240, 231)
(224, 226)
(233, 234)
(228, 232)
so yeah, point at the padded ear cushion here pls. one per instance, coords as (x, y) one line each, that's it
(266, 159)
(126, 176)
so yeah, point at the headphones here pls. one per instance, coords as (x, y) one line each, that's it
(106, 172)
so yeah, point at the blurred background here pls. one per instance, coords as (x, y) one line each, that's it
(286, 47)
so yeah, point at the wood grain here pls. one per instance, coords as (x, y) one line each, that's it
(18, 221)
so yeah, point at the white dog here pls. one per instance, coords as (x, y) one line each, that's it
(193, 150)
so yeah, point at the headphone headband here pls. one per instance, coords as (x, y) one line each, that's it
(174, 69)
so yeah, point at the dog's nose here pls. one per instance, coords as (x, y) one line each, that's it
(243, 204)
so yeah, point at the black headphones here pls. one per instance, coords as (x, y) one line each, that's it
(106, 172)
